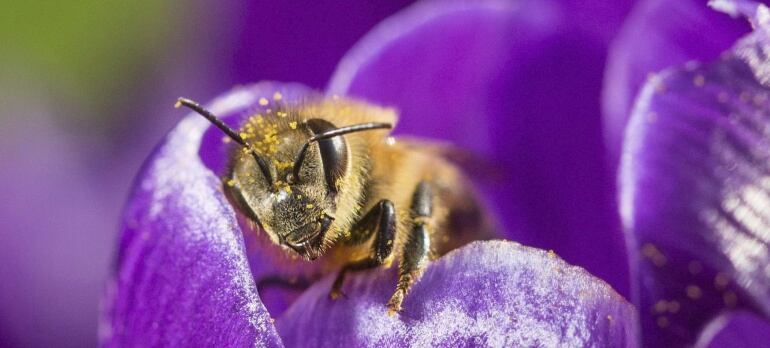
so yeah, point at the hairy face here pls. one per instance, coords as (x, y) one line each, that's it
(295, 212)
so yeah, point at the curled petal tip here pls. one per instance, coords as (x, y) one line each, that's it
(736, 8)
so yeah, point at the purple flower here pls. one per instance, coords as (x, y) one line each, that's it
(518, 83)
(185, 272)
(695, 192)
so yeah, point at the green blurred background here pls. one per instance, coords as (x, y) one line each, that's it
(84, 52)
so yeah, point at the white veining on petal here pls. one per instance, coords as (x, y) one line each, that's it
(492, 294)
(754, 49)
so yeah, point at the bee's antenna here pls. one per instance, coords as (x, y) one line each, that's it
(331, 134)
(229, 131)
(213, 119)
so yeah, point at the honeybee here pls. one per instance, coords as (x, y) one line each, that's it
(326, 183)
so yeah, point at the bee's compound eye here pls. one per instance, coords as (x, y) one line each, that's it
(334, 152)
(235, 195)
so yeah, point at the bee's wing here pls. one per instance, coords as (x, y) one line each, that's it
(453, 168)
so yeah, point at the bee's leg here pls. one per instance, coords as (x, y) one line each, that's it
(380, 220)
(417, 246)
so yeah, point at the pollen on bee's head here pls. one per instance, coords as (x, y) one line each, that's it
(262, 135)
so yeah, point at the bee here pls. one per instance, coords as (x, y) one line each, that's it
(326, 182)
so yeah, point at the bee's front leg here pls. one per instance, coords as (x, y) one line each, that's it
(417, 247)
(381, 221)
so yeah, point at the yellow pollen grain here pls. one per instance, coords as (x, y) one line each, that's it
(660, 87)
(730, 298)
(649, 250)
(673, 307)
(551, 253)
(277, 96)
(231, 183)
(721, 280)
(653, 254)
(263, 101)
(723, 97)
(699, 80)
(652, 117)
(693, 292)
(293, 125)
(309, 206)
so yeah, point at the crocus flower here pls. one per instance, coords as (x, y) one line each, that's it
(184, 275)
(519, 84)
(694, 190)
(185, 272)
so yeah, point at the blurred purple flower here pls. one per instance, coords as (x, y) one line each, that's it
(185, 275)
(695, 192)
(656, 35)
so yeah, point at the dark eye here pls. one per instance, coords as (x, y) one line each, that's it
(236, 197)
(334, 152)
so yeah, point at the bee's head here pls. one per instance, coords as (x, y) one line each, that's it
(294, 197)
(286, 176)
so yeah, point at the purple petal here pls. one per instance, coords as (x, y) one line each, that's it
(696, 196)
(485, 294)
(739, 329)
(182, 277)
(519, 84)
(304, 42)
(659, 34)
(601, 18)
